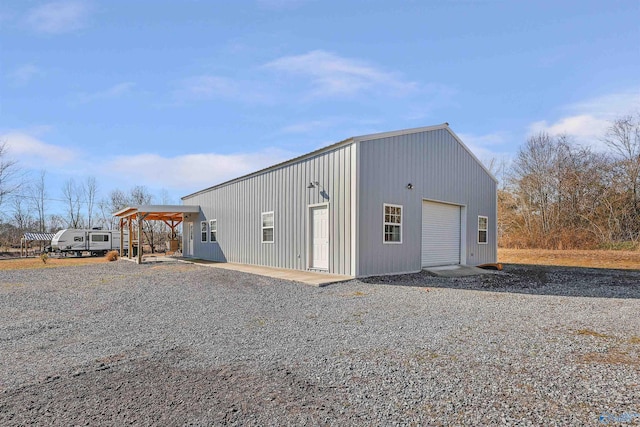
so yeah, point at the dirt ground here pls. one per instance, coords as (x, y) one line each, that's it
(627, 260)
(28, 263)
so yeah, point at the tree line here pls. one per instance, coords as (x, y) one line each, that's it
(25, 205)
(557, 194)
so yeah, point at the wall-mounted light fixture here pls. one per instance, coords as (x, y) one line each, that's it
(409, 186)
(313, 184)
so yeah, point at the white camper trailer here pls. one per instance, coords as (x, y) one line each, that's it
(97, 242)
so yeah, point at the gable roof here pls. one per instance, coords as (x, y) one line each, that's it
(354, 139)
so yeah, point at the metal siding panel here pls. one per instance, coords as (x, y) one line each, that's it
(238, 207)
(440, 169)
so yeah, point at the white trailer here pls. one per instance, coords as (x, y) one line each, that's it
(97, 242)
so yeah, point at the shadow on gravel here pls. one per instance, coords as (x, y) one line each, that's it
(155, 391)
(531, 279)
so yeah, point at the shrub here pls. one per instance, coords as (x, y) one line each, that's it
(44, 257)
(112, 255)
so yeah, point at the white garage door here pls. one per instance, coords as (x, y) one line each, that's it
(440, 234)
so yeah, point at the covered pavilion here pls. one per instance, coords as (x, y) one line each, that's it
(172, 215)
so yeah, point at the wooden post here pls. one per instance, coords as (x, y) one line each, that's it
(130, 228)
(139, 260)
(121, 238)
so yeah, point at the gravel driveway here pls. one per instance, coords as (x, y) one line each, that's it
(181, 344)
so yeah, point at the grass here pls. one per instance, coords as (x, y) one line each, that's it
(628, 260)
(613, 356)
(112, 256)
(592, 333)
(29, 263)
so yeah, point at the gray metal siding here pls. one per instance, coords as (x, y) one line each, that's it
(440, 169)
(238, 206)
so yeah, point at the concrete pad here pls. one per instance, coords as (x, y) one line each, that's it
(457, 271)
(308, 277)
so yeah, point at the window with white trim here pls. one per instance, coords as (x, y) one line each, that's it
(267, 227)
(392, 228)
(203, 231)
(483, 226)
(213, 230)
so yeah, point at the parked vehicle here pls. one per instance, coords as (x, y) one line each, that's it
(97, 242)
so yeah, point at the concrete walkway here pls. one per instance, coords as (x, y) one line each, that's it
(307, 277)
(457, 271)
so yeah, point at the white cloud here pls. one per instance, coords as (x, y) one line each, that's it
(580, 126)
(488, 140)
(115, 91)
(311, 126)
(208, 87)
(59, 17)
(32, 152)
(192, 171)
(588, 121)
(493, 146)
(24, 74)
(332, 75)
(610, 106)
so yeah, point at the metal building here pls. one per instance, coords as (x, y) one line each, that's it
(386, 203)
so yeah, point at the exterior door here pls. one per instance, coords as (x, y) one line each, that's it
(189, 246)
(320, 237)
(441, 226)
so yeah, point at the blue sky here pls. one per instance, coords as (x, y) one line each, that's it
(181, 95)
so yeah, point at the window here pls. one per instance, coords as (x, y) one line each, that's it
(213, 230)
(99, 237)
(203, 230)
(483, 223)
(392, 224)
(267, 227)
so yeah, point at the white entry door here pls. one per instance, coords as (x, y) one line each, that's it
(189, 248)
(320, 237)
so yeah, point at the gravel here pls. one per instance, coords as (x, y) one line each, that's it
(182, 344)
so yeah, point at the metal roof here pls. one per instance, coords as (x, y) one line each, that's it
(158, 212)
(40, 237)
(355, 139)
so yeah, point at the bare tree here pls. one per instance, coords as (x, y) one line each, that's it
(37, 198)
(9, 172)
(140, 195)
(533, 173)
(89, 192)
(73, 198)
(20, 216)
(623, 137)
(498, 168)
(56, 223)
(115, 201)
(557, 196)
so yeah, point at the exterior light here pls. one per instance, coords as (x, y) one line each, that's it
(409, 186)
